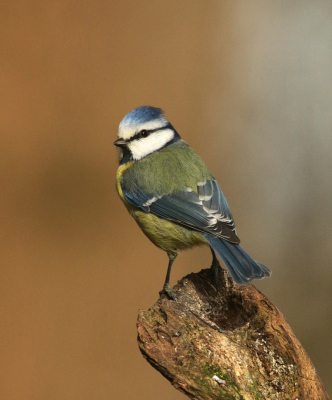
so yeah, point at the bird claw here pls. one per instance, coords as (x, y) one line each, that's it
(168, 291)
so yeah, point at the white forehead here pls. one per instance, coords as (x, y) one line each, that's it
(128, 129)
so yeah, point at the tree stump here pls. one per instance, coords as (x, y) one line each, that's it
(230, 343)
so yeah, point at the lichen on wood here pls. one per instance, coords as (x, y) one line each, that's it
(235, 334)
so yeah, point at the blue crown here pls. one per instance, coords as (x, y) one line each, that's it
(141, 115)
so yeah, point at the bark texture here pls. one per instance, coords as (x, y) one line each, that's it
(235, 334)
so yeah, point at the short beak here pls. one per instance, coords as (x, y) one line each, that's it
(120, 143)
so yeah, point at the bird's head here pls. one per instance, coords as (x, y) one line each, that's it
(143, 131)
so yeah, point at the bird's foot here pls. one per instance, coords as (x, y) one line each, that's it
(168, 291)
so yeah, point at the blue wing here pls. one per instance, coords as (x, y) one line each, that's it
(205, 210)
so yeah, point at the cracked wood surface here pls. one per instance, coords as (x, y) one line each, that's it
(235, 334)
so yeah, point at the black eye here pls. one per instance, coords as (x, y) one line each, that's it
(144, 133)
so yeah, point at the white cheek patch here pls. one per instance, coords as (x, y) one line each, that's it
(142, 147)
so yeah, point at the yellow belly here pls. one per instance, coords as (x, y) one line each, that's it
(167, 235)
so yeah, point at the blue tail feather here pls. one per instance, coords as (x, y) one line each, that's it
(240, 265)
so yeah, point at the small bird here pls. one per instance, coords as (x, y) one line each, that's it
(174, 199)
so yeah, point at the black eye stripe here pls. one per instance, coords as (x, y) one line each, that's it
(139, 135)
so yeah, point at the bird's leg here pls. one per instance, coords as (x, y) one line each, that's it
(167, 288)
(215, 269)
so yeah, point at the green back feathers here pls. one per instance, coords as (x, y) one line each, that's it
(174, 167)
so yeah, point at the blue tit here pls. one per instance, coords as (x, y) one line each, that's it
(174, 199)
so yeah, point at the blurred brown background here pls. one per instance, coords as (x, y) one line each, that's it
(247, 83)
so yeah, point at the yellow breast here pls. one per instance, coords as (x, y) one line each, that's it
(119, 173)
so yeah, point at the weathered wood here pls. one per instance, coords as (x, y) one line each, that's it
(235, 334)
